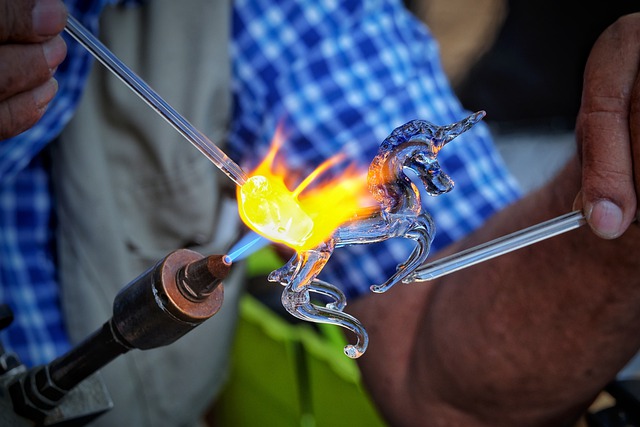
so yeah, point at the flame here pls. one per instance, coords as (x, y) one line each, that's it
(303, 217)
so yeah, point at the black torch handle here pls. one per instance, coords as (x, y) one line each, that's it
(88, 357)
(42, 388)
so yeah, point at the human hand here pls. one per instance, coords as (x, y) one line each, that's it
(608, 130)
(30, 50)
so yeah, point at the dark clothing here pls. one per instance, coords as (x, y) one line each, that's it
(532, 76)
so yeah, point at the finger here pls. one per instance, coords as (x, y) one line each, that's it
(31, 20)
(634, 128)
(24, 67)
(608, 194)
(22, 111)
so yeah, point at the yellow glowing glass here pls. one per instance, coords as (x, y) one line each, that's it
(270, 209)
(305, 217)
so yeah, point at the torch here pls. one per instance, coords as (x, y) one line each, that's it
(179, 293)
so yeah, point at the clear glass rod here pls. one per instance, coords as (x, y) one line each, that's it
(497, 247)
(137, 85)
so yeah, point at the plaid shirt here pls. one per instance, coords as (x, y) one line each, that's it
(339, 75)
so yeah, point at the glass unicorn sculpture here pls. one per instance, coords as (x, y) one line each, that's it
(413, 146)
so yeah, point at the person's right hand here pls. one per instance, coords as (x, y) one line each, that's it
(31, 48)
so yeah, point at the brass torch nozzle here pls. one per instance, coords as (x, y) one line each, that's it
(198, 279)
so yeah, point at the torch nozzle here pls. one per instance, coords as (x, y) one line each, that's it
(200, 278)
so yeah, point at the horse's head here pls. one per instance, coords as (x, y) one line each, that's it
(414, 146)
(426, 168)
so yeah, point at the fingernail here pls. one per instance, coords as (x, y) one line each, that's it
(48, 17)
(605, 219)
(42, 95)
(54, 51)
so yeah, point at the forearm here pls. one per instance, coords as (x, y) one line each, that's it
(525, 339)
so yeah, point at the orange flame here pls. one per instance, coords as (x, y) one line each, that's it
(308, 215)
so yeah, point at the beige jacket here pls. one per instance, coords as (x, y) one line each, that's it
(130, 190)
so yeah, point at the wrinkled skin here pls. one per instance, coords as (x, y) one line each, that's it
(31, 49)
(529, 339)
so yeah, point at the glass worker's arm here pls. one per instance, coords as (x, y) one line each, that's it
(530, 338)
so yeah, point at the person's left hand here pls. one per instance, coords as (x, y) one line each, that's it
(608, 130)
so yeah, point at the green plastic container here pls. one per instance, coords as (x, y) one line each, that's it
(287, 374)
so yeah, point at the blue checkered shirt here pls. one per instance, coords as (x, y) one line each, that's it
(339, 75)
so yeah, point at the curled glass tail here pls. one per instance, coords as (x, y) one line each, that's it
(299, 304)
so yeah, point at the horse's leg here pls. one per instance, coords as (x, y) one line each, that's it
(285, 274)
(421, 230)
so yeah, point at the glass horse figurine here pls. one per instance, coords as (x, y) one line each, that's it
(413, 146)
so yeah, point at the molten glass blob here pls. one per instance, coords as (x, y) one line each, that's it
(308, 215)
(270, 209)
